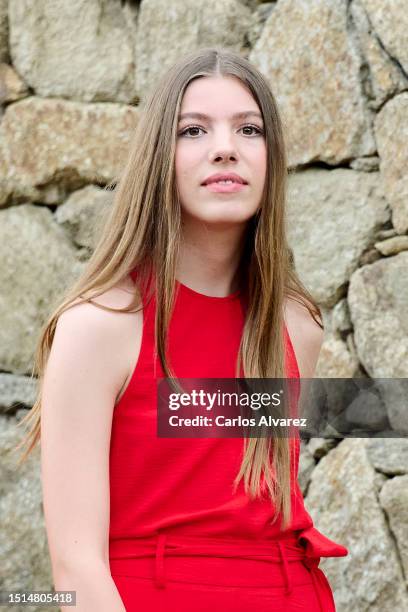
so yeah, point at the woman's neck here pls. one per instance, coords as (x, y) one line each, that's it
(209, 258)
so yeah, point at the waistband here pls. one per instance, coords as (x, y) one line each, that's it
(307, 546)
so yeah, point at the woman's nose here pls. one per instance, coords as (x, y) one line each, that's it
(224, 155)
(224, 149)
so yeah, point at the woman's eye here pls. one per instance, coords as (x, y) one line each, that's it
(252, 127)
(192, 127)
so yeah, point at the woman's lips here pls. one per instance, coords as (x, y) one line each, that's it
(222, 188)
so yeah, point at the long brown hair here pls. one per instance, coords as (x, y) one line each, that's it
(143, 231)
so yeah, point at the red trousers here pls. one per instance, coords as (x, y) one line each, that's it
(178, 574)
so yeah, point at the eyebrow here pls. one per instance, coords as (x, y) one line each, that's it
(203, 117)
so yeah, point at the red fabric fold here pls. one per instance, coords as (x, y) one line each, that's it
(318, 545)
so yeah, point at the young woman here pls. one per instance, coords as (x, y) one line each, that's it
(192, 277)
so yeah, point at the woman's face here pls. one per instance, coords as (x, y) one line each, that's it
(220, 143)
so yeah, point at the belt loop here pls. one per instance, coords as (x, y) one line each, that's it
(159, 561)
(285, 568)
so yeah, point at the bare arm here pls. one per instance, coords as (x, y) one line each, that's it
(87, 367)
(306, 336)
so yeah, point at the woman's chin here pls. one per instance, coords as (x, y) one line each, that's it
(219, 216)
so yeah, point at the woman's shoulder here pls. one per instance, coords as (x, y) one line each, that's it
(305, 334)
(102, 335)
(103, 313)
(117, 296)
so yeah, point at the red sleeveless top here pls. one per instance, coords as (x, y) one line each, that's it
(184, 486)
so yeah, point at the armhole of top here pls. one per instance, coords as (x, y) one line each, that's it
(138, 362)
(291, 353)
(295, 387)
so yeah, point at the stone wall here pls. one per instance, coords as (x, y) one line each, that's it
(71, 79)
